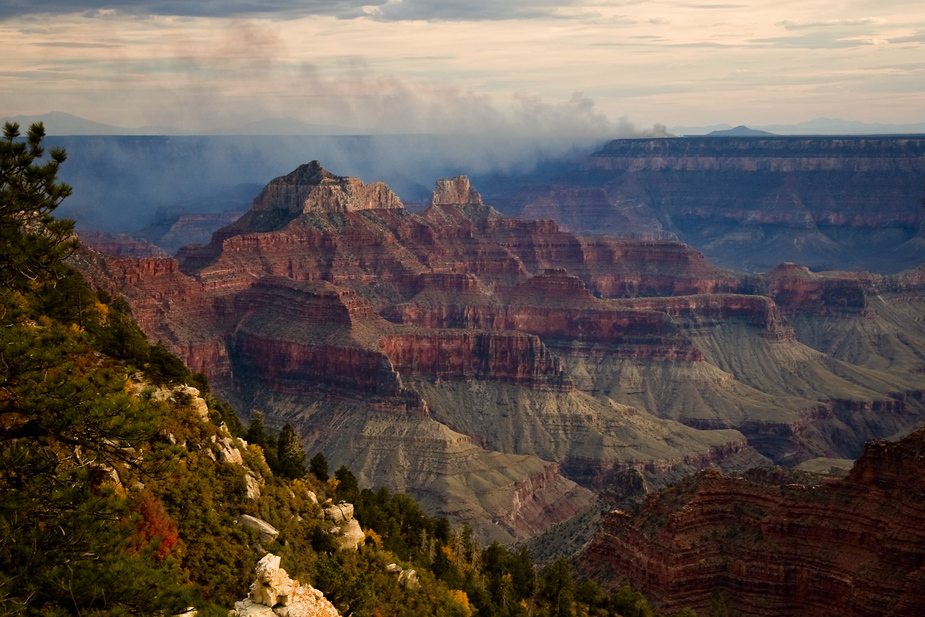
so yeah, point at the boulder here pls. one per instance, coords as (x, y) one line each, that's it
(268, 532)
(350, 535)
(253, 486)
(339, 513)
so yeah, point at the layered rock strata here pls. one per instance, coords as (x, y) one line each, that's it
(750, 203)
(473, 359)
(839, 548)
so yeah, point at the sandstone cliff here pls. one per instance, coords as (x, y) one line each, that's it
(829, 548)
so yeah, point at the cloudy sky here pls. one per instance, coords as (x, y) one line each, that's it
(464, 65)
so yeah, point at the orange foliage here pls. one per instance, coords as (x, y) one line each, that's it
(153, 526)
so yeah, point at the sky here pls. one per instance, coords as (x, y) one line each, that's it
(465, 66)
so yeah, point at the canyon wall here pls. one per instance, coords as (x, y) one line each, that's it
(751, 203)
(813, 547)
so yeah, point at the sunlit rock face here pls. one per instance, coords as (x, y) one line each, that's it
(780, 546)
(312, 189)
(500, 369)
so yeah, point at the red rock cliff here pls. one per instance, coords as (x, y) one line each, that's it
(849, 548)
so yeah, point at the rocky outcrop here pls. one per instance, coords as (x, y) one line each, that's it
(274, 594)
(796, 290)
(120, 245)
(838, 548)
(267, 532)
(509, 357)
(347, 532)
(312, 189)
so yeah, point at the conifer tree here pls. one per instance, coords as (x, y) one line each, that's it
(290, 454)
(33, 244)
(318, 467)
(70, 540)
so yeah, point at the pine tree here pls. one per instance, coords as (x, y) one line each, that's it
(556, 588)
(318, 467)
(347, 487)
(290, 454)
(33, 244)
(70, 425)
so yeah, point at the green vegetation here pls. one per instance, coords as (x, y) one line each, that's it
(117, 497)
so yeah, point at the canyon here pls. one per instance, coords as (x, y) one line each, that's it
(502, 370)
(779, 543)
(750, 203)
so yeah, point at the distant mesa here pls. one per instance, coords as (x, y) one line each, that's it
(740, 131)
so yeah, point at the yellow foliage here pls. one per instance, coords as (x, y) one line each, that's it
(460, 597)
(375, 536)
(101, 309)
(332, 484)
(255, 449)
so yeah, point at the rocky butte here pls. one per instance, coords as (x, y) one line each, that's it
(502, 369)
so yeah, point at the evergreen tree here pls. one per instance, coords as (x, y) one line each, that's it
(556, 588)
(71, 539)
(257, 432)
(318, 467)
(347, 487)
(33, 244)
(290, 454)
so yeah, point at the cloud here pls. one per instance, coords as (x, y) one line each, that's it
(918, 37)
(790, 24)
(76, 45)
(363, 99)
(190, 8)
(386, 10)
(467, 10)
(815, 40)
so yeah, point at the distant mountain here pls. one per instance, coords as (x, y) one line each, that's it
(61, 124)
(739, 131)
(819, 126)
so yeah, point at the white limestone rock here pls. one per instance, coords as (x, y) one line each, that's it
(274, 594)
(253, 486)
(268, 532)
(351, 536)
(339, 513)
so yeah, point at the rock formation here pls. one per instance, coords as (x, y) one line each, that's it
(819, 548)
(347, 531)
(120, 245)
(267, 532)
(455, 191)
(485, 364)
(274, 594)
(750, 203)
